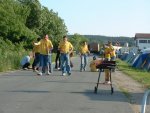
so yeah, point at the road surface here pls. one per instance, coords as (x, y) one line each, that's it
(24, 92)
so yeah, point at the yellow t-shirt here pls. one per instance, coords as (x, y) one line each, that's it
(107, 52)
(84, 49)
(112, 51)
(65, 47)
(36, 49)
(45, 46)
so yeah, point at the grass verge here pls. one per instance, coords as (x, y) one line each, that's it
(139, 75)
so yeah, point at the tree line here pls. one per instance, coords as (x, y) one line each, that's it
(104, 39)
(25, 20)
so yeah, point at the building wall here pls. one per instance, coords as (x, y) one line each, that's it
(143, 43)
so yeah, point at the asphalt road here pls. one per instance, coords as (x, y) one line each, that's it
(25, 92)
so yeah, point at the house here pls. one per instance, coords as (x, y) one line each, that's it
(142, 40)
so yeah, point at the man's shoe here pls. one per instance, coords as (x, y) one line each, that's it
(108, 82)
(64, 74)
(48, 73)
(25, 68)
(58, 68)
(40, 73)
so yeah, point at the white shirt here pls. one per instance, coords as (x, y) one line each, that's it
(25, 60)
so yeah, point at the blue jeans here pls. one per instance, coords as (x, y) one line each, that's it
(43, 60)
(65, 62)
(43, 63)
(50, 63)
(83, 61)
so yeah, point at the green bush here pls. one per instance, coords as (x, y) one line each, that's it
(10, 55)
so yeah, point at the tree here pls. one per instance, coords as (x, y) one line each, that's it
(12, 23)
(76, 40)
(25, 20)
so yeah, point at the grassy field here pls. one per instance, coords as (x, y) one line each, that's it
(139, 75)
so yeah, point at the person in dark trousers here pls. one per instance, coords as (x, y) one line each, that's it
(25, 62)
(36, 55)
(57, 60)
(45, 47)
(71, 63)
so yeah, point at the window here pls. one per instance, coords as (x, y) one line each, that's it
(142, 41)
(148, 41)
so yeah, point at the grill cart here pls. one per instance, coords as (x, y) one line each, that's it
(110, 65)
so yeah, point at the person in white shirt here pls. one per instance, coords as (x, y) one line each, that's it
(25, 62)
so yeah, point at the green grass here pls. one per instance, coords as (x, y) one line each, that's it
(139, 75)
(10, 60)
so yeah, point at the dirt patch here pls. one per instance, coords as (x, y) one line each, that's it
(131, 88)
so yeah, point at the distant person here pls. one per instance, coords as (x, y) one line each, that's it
(45, 47)
(50, 61)
(71, 63)
(119, 53)
(107, 51)
(36, 55)
(57, 60)
(94, 63)
(112, 51)
(84, 51)
(65, 48)
(25, 62)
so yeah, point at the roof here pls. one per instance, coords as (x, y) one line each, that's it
(142, 35)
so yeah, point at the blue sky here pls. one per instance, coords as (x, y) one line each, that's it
(103, 17)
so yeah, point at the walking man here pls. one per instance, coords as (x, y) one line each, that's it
(45, 48)
(83, 54)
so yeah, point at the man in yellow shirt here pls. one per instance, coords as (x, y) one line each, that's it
(83, 54)
(112, 51)
(107, 51)
(45, 47)
(65, 48)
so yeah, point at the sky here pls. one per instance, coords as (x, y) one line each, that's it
(103, 17)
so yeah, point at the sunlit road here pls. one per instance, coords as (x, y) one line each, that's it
(25, 92)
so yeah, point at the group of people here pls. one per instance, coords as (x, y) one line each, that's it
(43, 54)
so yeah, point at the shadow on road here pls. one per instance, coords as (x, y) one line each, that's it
(102, 95)
(105, 95)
